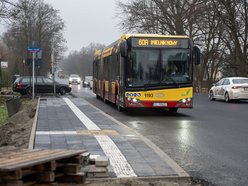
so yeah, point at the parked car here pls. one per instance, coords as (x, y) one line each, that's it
(88, 81)
(43, 84)
(74, 78)
(232, 88)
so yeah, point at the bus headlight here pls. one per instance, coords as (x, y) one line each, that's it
(186, 102)
(133, 100)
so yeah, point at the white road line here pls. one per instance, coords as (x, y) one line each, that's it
(56, 132)
(118, 161)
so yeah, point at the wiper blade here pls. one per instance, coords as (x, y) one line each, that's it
(166, 78)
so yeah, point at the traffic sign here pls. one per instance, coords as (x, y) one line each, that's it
(33, 50)
(4, 64)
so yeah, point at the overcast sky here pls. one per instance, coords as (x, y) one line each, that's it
(88, 21)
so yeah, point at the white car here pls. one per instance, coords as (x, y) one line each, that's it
(231, 88)
(74, 78)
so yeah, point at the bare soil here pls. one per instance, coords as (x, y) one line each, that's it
(15, 133)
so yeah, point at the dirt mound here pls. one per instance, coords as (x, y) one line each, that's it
(16, 131)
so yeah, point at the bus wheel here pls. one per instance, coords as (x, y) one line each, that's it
(173, 110)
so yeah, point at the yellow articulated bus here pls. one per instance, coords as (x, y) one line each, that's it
(146, 70)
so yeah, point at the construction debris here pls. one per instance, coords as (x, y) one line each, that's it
(50, 167)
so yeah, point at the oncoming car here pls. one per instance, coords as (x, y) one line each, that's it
(88, 81)
(74, 78)
(231, 88)
(23, 85)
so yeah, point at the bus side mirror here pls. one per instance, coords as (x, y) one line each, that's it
(123, 48)
(196, 55)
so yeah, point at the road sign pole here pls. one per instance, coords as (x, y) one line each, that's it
(33, 50)
(33, 76)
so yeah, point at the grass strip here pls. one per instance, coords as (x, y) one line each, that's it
(3, 114)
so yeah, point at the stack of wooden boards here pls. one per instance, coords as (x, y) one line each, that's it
(42, 167)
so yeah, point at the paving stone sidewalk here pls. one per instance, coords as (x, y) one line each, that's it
(58, 127)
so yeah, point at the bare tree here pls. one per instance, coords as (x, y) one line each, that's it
(234, 16)
(218, 27)
(5, 6)
(35, 21)
(81, 62)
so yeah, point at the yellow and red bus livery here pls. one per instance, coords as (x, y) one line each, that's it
(146, 70)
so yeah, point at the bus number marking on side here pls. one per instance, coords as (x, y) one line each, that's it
(149, 95)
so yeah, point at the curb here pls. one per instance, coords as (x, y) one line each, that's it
(156, 180)
(32, 136)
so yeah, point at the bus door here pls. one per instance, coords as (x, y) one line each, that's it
(122, 80)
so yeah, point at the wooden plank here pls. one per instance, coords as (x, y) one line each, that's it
(72, 178)
(47, 177)
(97, 175)
(29, 183)
(69, 168)
(46, 184)
(13, 175)
(28, 156)
(75, 159)
(34, 153)
(37, 158)
(27, 172)
(49, 166)
(12, 183)
(21, 158)
(94, 169)
(14, 153)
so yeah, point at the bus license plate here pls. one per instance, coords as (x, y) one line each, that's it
(160, 104)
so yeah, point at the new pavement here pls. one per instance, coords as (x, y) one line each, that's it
(73, 123)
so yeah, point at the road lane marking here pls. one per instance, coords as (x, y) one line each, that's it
(56, 132)
(119, 163)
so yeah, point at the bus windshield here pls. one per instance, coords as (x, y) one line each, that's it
(153, 67)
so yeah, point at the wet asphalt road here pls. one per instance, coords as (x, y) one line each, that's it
(209, 141)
